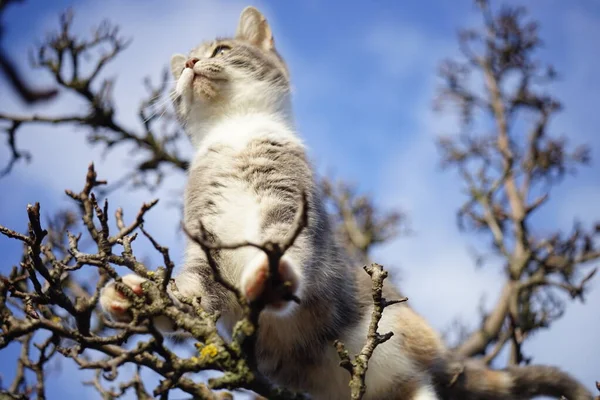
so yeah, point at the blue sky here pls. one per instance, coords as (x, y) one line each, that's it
(364, 78)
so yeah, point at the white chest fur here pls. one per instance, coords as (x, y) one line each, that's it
(237, 131)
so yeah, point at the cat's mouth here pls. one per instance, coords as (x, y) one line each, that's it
(201, 76)
(200, 85)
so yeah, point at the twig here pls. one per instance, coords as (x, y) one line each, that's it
(359, 364)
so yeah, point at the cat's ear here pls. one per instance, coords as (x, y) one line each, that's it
(177, 65)
(254, 28)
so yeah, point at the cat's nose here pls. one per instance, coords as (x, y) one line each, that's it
(191, 62)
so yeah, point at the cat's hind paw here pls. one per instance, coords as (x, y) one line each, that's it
(115, 303)
(255, 282)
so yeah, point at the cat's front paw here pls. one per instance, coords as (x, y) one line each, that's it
(255, 282)
(115, 303)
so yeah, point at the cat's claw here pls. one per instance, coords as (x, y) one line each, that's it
(115, 303)
(255, 281)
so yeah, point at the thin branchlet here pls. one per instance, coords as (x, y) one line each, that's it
(358, 364)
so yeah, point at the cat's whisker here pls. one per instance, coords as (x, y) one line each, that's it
(153, 114)
(161, 115)
(161, 106)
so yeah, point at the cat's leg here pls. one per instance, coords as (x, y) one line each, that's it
(118, 306)
(115, 303)
(254, 282)
(254, 279)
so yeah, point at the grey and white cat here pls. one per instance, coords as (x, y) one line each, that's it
(245, 183)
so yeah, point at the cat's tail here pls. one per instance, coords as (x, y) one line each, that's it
(471, 380)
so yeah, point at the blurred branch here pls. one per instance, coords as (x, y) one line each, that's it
(508, 176)
(361, 226)
(13, 75)
(64, 55)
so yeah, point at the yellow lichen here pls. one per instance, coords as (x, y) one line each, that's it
(150, 273)
(209, 351)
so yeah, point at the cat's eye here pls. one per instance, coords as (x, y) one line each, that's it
(220, 50)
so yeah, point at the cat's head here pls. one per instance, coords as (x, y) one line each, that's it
(224, 76)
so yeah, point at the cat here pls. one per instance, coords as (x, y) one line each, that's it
(246, 182)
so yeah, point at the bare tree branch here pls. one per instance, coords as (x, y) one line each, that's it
(508, 174)
(45, 306)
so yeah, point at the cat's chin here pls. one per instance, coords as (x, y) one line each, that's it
(204, 89)
(194, 87)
